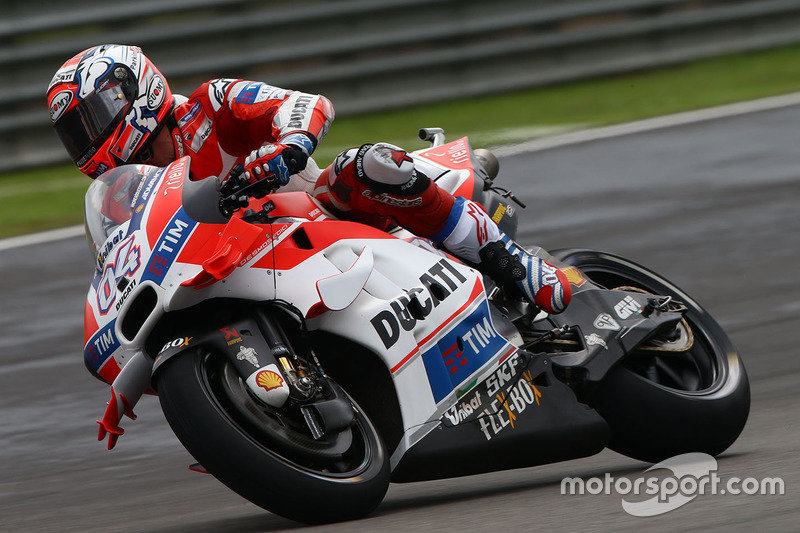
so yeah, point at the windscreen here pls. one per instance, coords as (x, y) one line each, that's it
(109, 202)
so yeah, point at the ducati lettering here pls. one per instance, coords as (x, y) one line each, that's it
(506, 407)
(299, 111)
(68, 74)
(203, 133)
(387, 328)
(387, 323)
(125, 294)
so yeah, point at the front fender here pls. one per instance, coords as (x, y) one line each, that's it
(240, 340)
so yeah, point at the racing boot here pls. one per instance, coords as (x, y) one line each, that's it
(470, 234)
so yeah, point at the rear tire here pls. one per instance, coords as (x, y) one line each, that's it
(660, 403)
(262, 455)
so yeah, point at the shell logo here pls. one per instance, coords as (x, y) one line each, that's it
(574, 276)
(269, 380)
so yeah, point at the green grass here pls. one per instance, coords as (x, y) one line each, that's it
(49, 198)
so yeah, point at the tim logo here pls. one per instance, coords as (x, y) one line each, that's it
(461, 352)
(477, 338)
(454, 357)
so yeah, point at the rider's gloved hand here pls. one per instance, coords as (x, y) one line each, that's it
(274, 163)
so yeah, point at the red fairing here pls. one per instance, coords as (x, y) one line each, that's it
(321, 234)
(455, 155)
(169, 198)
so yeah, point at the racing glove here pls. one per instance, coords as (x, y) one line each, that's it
(272, 164)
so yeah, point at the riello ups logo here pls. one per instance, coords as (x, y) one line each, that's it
(437, 284)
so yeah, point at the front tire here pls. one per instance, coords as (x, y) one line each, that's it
(266, 460)
(662, 403)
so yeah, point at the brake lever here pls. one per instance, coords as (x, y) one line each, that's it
(236, 192)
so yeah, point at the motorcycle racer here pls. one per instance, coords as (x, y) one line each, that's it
(110, 106)
(380, 185)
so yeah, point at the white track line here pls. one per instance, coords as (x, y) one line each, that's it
(38, 238)
(535, 145)
(650, 124)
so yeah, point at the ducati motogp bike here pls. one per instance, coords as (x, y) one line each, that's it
(306, 362)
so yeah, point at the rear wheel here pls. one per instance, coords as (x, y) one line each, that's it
(687, 392)
(268, 456)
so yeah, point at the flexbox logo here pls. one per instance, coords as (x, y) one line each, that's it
(693, 474)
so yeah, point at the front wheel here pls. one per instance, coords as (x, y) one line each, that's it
(662, 401)
(266, 456)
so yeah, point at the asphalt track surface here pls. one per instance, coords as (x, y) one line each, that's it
(712, 206)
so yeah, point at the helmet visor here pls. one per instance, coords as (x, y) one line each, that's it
(93, 120)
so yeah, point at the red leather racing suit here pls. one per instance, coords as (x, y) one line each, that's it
(402, 196)
(224, 120)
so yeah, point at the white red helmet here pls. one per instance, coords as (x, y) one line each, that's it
(106, 103)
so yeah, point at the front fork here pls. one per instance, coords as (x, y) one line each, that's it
(259, 351)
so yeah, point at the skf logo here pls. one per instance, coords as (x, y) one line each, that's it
(502, 375)
(268, 380)
(387, 323)
(505, 408)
